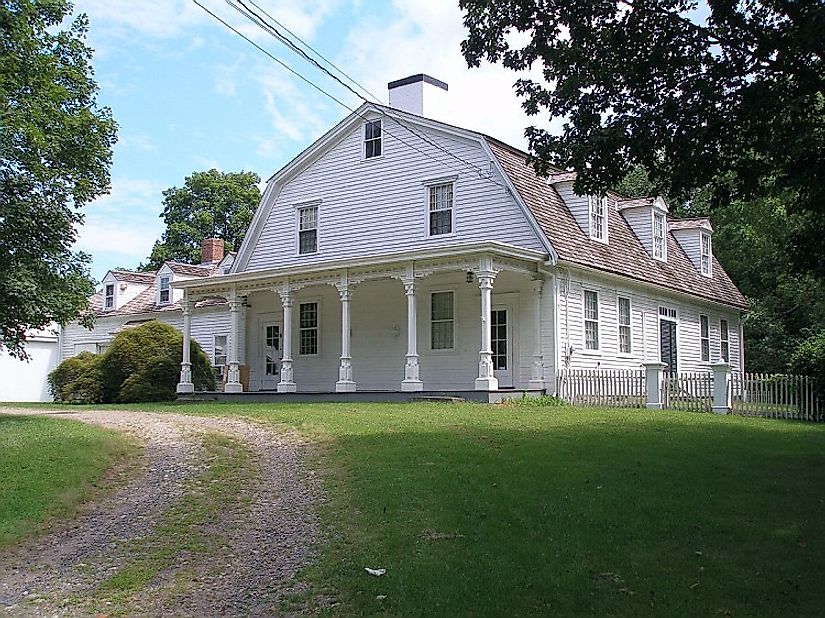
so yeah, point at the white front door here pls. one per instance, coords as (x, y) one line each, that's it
(502, 346)
(271, 355)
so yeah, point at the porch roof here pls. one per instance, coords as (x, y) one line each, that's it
(225, 283)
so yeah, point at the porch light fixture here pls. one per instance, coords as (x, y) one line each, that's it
(469, 278)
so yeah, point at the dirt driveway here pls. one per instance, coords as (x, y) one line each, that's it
(142, 549)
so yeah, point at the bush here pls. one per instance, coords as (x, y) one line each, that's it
(143, 364)
(77, 380)
(809, 358)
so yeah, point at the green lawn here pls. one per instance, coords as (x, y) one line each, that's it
(47, 467)
(513, 510)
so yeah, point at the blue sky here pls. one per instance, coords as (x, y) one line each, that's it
(189, 95)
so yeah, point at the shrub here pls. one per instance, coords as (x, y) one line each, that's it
(77, 380)
(143, 364)
(543, 401)
(809, 358)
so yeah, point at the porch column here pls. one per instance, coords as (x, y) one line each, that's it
(185, 385)
(345, 383)
(233, 376)
(537, 374)
(411, 380)
(287, 383)
(486, 380)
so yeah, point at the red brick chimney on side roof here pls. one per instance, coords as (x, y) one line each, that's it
(211, 250)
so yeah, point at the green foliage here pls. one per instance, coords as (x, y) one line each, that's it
(56, 146)
(77, 380)
(809, 358)
(545, 401)
(733, 101)
(210, 204)
(143, 364)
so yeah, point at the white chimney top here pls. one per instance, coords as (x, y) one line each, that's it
(419, 94)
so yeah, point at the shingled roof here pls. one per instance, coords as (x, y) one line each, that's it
(133, 277)
(624, 255)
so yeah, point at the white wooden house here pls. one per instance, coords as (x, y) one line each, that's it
(400, 253)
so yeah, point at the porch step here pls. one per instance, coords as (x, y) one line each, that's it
(438, 398)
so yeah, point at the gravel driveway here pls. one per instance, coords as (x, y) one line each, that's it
(266, 538)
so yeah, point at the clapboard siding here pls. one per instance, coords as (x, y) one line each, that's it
(380, 206)
(578, 205)
(640, 221)
(691, 243)
(644, 326)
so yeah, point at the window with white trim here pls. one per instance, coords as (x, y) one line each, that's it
(372, 139)
(625, 338)
(109, 296)
(658, 236)
(440, 199)
(308, 328)
(705, 259)
(164, 290)
(704, 337)
(442, 320)
(308, 229)
(591, 320)
(724, 340)
(219, 356)
(598, 217)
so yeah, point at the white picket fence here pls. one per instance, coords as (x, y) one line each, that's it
(691, 391)
(776, 396)
(602, 388)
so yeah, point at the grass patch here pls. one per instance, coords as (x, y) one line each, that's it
(187, 530)
(493, 510)
(48, 466)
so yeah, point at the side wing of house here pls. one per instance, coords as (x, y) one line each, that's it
(413, 197)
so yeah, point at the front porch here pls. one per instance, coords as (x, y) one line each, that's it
(468, 319)
(479, 396)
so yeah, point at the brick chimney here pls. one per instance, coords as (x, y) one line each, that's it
(211, 250)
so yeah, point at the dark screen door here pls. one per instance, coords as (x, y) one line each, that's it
(667, 338)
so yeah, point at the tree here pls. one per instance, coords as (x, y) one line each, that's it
(734, 103)
(55, 154)
(210, 204)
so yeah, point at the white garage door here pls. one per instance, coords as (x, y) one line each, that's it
(26, 381)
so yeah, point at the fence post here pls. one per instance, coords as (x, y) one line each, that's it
(653, 384)
(721, 392)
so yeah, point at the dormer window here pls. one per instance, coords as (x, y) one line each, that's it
(659, 236)
(109, 296)
(372, 139)
(598, 218)
(706, 261)
(164, 290)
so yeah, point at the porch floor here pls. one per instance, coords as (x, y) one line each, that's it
(363, 396)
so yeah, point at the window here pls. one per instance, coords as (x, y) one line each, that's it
(625, 340)
(441, 208)
(706, 254)
(109, 300)
(219, 356)
(668, 313)
(164, 290)
(442, 318)
(591, 320)
(658, 236)
(308, 328)
(704, 337)
(372, 139)
(272, 343)
(724, 340)
(308, 229)
(598, 217)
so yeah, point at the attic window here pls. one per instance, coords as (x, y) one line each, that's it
(164, 290)
(372, 139)
(109, 296)
(706, 263)
(658, 236)
(598, 217)
(308, 230)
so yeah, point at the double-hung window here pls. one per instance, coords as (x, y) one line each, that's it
(724, 340)
(442, 320)
(658, 236)
(625, 339)
(219, 356)
(706, 255)
(591, 320)
(308, 229)
(308, 328)
(704, 337)
(109, 296)
(598, 217)
(440, 198)
(164, 290)
(372, 139)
